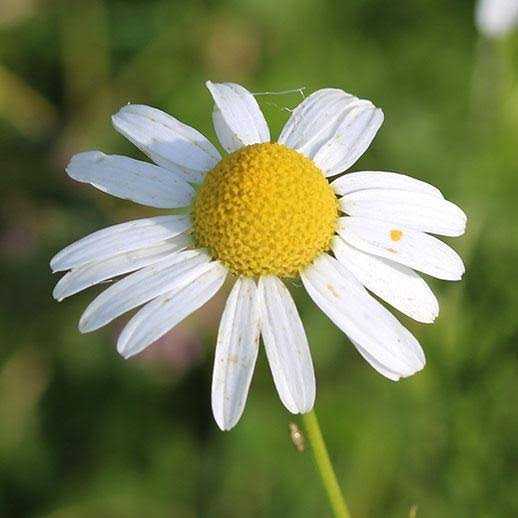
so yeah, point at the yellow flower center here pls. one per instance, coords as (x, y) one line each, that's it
(265, 210)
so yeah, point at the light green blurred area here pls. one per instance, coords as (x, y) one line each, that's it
(84, 433)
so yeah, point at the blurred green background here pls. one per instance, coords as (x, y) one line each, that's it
(84, 433)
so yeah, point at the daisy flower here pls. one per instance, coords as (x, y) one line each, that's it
(263, 212)
(496, 18)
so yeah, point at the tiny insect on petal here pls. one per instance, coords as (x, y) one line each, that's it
(396, 234)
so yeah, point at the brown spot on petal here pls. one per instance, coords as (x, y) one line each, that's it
(331, 288)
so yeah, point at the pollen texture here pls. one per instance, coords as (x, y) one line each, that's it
(265, 210)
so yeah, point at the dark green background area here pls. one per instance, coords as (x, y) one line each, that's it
(84, 433)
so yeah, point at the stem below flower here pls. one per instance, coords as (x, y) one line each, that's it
(325, 468)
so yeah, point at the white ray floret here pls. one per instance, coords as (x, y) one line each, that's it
(353, 136)
(95, 272)
(165, 312)
(313, 122)
(396, 284)
(346, 302)
(414, 210)
(376, 364)
(118, 239)
(240, 121)
(409, 247)
(286, 346)
(130, 179)
(332, 128)
(175, 271)
(362, 180)
(167, 141)
(236, 353)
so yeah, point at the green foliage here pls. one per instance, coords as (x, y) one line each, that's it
(84, 433)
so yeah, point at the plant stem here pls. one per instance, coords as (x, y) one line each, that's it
(325, 468)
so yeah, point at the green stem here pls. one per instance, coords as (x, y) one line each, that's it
(325, 468)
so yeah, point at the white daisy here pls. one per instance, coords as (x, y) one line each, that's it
(496, 18)
(262, 212)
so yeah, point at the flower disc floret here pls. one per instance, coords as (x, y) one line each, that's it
(265, 210)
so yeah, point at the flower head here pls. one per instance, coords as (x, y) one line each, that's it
(263, 212)
(496, 18)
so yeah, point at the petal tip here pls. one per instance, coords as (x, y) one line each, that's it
(57, 264)
(459, 275)
(210, 85)
(83, 328)
(57, 294)
(85, 325)
(120, 111)
(418, 368)
(80, 161)
(225, 425)
(117, 117)
(122, 349)
(430, 318)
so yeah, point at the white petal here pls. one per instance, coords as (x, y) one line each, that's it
(140, 287)
(352, 182)
(240, 121)
(495, 18)
(236, 353)
(167, 141)
(367, 323)
(286, 346)
(356, 130)
(375, 364)
(130, 179)
(405, 246)
(227, 138)
(162, 314)
(118, 239)
(93, 273)
(414, 210)
(394, 283)
(315, 119)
